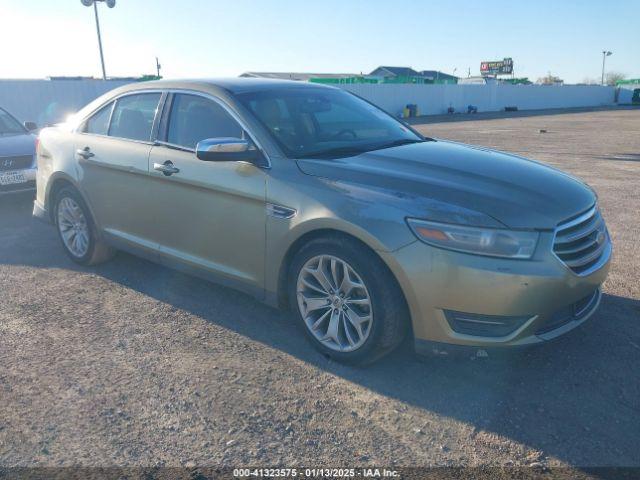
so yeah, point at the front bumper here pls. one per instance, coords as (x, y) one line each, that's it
(546, 295)
(28, 185)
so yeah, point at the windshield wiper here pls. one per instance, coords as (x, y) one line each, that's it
(352, 151)
(398, 143)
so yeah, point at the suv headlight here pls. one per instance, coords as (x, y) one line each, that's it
(479, 241)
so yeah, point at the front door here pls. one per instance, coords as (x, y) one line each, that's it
(209, 216)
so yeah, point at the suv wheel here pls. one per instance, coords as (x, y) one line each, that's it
(77, 231)
(346, 300)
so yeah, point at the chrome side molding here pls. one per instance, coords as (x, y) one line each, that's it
(280, 211)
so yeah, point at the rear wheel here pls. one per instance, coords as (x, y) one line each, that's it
(77, 230)
(347, 301)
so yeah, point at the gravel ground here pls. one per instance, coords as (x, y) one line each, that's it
(132, 364)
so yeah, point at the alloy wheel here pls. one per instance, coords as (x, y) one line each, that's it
(73, 227)
(334, 303)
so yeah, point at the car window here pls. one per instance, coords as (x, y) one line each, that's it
(98, 123)
(194, 118)
(9, 125)
(275, 108)
(133, 116)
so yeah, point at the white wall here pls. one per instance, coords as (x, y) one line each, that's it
(50, 101)
(435, 99)
(625, 95)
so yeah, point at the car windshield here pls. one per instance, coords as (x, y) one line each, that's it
(325, 123)
(9, 125)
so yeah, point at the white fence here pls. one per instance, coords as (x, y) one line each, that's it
(50, 101)
(436, 99)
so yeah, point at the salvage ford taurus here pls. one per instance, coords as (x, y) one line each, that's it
(309, 197)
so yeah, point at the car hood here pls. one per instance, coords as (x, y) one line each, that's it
(21, 144)
(443, 175)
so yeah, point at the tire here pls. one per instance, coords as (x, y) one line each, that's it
(386, 306)
(70, 208)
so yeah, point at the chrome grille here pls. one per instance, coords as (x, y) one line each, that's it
(16, 163)
(582, 241)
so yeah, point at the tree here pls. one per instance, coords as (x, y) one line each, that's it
(591, 81)
(550, 80)
(611, 78)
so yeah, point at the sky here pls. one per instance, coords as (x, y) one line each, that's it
(217, 38)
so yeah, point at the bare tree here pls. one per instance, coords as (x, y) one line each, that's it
(611, 78)
(590, 81)
(550, 80)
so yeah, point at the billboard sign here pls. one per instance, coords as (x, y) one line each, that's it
(499, 67)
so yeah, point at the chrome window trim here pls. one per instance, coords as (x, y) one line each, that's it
(233, 115)
(608, 248)
(160, 143)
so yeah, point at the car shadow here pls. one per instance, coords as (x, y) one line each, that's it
(576, 399)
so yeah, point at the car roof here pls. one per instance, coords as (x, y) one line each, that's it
(232, 85)
(222, 87)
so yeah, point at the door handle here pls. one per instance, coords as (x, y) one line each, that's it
(167, 168)
(85, 153)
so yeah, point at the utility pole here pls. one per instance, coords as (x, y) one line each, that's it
(158, 67)
(110, 4)
(605, 54)
(104, 72)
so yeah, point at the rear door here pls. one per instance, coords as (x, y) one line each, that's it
(113, 149)
(209, 216)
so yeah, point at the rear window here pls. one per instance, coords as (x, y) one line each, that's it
(133, 116)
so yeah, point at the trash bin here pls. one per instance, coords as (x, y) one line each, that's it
(411, 110)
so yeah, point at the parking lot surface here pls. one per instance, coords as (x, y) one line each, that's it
(130, 363)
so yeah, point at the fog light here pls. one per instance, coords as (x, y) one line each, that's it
(484, 325)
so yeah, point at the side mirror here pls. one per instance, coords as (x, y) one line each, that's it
(227, 149)
(31, 126)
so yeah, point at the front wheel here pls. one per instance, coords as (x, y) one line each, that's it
(347, 301)
(77, 230)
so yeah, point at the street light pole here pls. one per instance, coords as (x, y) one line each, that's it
(605, 54)
(95, 9)
(110, 4)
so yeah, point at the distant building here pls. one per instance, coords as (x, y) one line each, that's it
(297, 76)
(387, 72)
(472, 81)
(436, 76)
(409, 75)
(631, 83)
(382, 74)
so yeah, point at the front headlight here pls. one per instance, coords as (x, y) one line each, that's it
(480, 241)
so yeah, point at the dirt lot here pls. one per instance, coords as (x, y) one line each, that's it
(130, 363)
